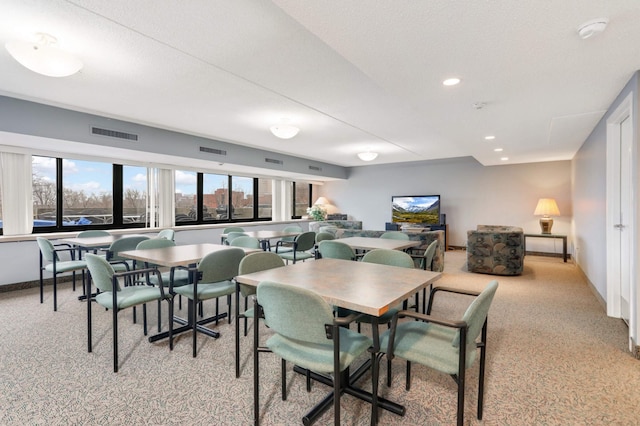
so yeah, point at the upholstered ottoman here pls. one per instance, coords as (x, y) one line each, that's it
(496, 250)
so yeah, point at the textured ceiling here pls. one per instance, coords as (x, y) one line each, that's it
(353, 75)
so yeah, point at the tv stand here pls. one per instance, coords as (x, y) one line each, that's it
(391, 226)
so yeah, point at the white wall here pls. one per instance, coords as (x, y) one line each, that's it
(471, 194)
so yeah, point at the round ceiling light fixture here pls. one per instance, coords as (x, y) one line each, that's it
(44, 57)
(451, 81)
(593, 27)
(284, 130)
(367, 156)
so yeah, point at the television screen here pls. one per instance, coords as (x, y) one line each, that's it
(416, 209)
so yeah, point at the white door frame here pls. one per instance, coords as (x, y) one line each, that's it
(624, 110)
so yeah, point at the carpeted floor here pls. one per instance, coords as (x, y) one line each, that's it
(554, 358)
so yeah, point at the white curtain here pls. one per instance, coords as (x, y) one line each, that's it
(17, 193)
(166, 198)
(281, 200)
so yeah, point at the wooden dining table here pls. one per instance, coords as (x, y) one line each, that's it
(368, 288)
(182, 256)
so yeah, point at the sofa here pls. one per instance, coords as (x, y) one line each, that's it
(334, 226)
(495, 250)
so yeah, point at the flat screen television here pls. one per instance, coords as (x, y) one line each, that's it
(416, 209)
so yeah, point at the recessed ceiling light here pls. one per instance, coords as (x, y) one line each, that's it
(498, 149)
(504, 158)
(489, 138)
(451, 81)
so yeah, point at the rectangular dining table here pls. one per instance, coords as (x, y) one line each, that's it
(372, 243)
(265, 236)
(368, 288)
(181, 256)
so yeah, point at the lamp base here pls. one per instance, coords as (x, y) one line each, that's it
(545, 225)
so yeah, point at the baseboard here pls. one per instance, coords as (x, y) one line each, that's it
(36, 283)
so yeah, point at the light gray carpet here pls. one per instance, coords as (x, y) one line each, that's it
(554, 358)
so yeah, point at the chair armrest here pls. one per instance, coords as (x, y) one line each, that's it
(463, 292)
(145, 271)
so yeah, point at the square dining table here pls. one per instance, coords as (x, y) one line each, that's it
(181, 256)
(265, 236)
(364, 287)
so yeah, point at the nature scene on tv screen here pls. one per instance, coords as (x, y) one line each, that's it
(421, 209)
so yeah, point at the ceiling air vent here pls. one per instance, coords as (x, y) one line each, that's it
(113, 134)
(273, 161)
(213, 150)
(315, 168)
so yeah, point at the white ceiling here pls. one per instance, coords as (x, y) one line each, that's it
(353, 75)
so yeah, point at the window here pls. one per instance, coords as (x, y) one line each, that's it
(186, 193)
(215, 197)
(134, 194)
(44, 181)
(242, 198)
(87, 189)
(301, 196)
(265, 198)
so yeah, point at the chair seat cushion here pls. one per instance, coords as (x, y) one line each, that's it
(319, 358)
(299, 255)
(67, 266)
(427, 344)
(180, 278)
(129, 296)
(207, 290)
(249, 313)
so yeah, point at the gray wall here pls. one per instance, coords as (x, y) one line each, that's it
(471, 194)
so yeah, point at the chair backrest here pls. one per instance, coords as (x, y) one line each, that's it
(232, 229)
(123, 244)
(334, 249)
(389, 257)
(428, 255)
(233, 235)
(245, 241)
(220, 265)
(93, 233)
(476, 314)
(291, 228)
(323, 236)
(305, 241)
(294, 312)
(47, 249)
(168, 234)
(101, 272)
(395, 235)
(255, 262)
(154, 243)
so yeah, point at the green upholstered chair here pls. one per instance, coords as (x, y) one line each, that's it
(233, 235)
(286, 243)
(321, 236)
(92, 233)
(229, 229)
(334, 249)
(299, 247)
(308, 335)
(253, 262)
(168, 234)
(426, 263)
(124, 244)
(50, 261)
(116, 297)
(174, 277)
(245, 242)
(213, 279)
(435, 342)
(395, 235)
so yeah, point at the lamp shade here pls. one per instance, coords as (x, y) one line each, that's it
(44, 57)
(321, 201)
(547, 207)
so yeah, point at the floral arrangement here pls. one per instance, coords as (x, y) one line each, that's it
(317, 213)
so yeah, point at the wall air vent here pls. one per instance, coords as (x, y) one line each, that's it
(113, 134)
(273, 161)
(213, 150)
(315, 168)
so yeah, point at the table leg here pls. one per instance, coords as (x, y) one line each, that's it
(188, 326)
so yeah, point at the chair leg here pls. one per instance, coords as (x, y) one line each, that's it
(388, 372)
(237, 335)
(246, 303)
(88, 292)
(408, 376)
(228, 309)
(256, 373)
(283, 374)
(375, 372)
(171, 302)
(159, 316)
(55, 291)
(115, 339)
(195, 323)
(144, 318)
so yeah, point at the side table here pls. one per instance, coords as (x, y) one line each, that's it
(562, 237)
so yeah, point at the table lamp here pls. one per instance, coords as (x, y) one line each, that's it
(546, 207)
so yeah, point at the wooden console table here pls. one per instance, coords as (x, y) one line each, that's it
(562, 237)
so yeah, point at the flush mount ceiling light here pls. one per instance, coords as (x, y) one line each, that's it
(368, 156)
(451, 81)
(284, 130)
(489, 138)
(593, 27)
(43, 57)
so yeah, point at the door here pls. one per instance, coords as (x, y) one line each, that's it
(624, 208)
